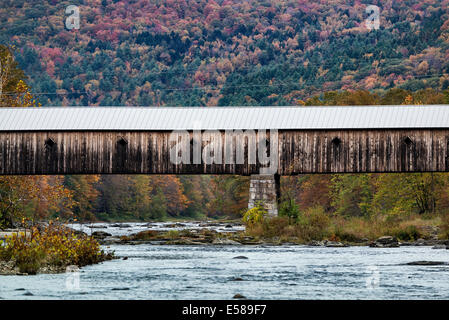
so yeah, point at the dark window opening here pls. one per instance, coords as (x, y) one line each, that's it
(336, 141)
(49, 143)
(408, 141)
(122, 142)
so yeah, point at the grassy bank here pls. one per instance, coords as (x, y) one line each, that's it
(315, 224)
(48, 250)
(310, 225)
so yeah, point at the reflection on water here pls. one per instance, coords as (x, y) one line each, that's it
(211, 272)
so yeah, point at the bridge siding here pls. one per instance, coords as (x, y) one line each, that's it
(364, 151)
(300, 152)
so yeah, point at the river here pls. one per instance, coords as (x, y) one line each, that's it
(269, 272)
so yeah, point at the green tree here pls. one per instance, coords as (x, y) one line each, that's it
(140, 195)
(158, 205)
(402, 194)
(352, 194)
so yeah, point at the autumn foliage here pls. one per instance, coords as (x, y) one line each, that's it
(231, 52)
(53, 246)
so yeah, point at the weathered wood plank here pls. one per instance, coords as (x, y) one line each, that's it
(307, 151)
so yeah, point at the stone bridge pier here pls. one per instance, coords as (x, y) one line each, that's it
(265, 189)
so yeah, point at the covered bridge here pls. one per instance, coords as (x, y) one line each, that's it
(253, 141)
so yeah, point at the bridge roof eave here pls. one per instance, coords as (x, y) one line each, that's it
(223, 118)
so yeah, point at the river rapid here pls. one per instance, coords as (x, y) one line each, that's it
(257, 272)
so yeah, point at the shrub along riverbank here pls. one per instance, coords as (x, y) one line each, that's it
(49, 249)
(316, 225)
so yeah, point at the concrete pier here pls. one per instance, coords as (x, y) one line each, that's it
(265, 189)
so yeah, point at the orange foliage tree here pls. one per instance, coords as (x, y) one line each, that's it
(43, 194)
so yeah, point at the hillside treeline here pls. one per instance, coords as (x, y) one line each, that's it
(143, 198)
(224, 52)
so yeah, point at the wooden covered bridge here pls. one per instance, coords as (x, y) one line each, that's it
(264, 142)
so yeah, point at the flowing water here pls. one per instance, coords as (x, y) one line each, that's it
(269, 272)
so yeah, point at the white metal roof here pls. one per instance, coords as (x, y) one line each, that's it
(223, 118)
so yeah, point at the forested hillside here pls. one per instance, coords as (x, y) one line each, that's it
(232, 52)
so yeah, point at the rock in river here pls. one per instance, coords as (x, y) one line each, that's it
(334, 244)
(225, 242)
(315, 243)
(420, 242)
(426, 263)
(100, 234)
(98, 227)
(385, 242)
(237, 279)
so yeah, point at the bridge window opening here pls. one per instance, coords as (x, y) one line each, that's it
(49, 143)
(408, 141)
(122, 142)
(336, 141)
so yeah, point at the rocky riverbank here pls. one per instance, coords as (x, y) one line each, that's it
(8, 268)
(178, 237)
(213, 237)
(235, 233)
(217, 233)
